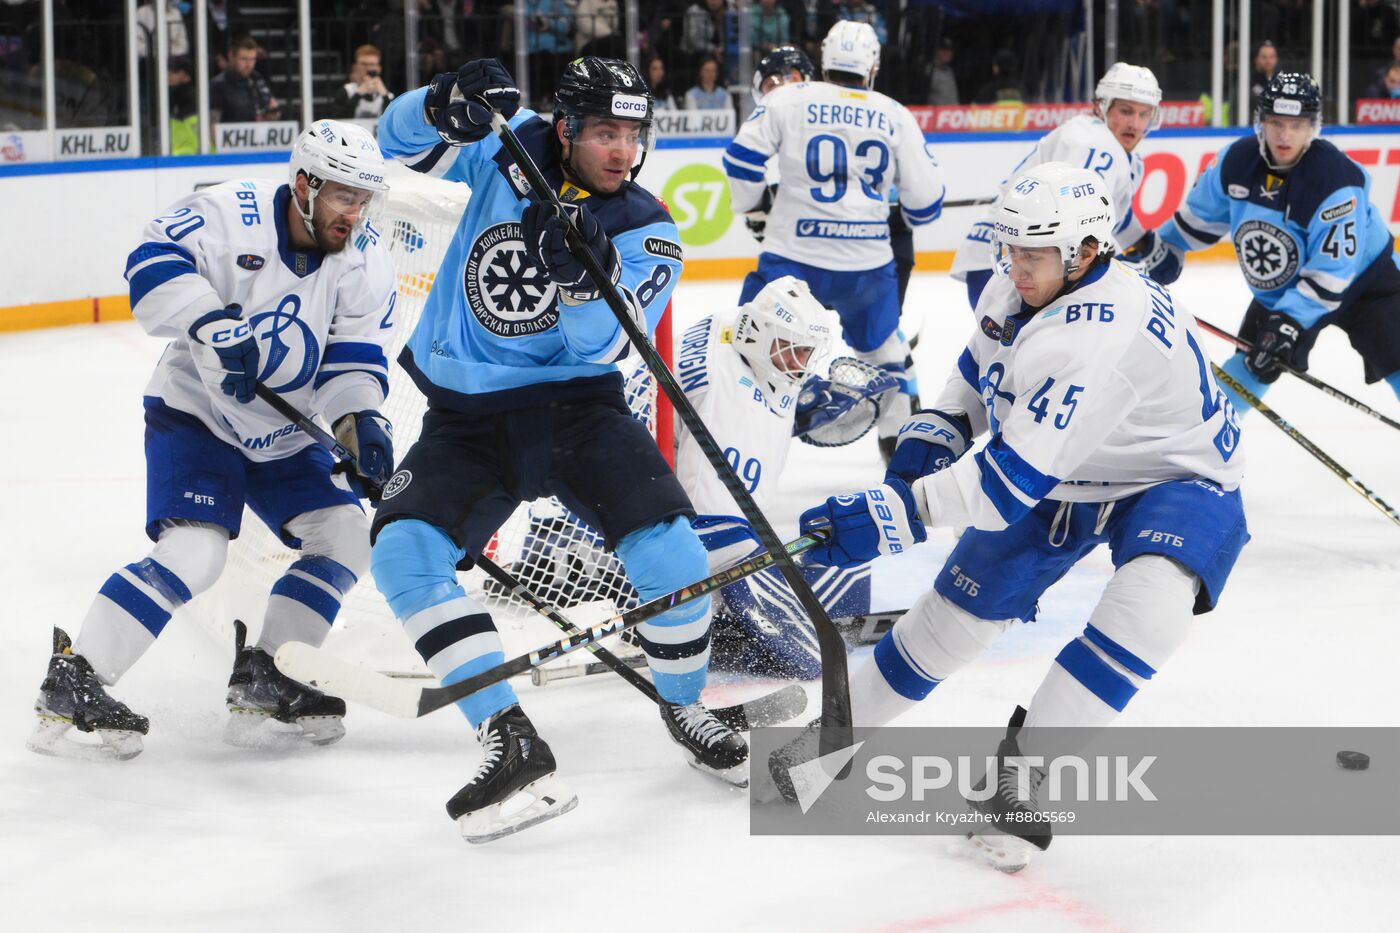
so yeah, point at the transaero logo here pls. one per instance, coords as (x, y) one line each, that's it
(842, 230)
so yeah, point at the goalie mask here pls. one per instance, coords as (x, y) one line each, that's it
(782, 334)
(330, 150)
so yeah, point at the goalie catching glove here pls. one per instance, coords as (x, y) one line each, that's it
(370, 439)
(839, 411)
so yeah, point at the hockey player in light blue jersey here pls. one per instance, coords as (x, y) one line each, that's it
(1313, 248)
(1105, 426)
(516, 352)
(250, 282)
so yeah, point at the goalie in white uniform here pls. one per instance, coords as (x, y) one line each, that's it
(840, 148)
(1127, 106)
(751, 374)
(250, 281)
(1106, 426)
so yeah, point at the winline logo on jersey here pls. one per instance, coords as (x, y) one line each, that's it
(1116, 781)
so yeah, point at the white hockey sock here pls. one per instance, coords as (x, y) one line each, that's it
(306, 599)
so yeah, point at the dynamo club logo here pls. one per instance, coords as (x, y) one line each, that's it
(1268, 255)
(509, 295)
(290, 351)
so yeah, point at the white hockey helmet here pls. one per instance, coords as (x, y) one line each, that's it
(331, 150)
(783, 333)
(852, 47)
(1055, 204)
(1130, 82)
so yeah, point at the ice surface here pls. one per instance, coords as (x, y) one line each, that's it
(193, 835)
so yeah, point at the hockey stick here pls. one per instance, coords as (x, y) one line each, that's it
(741, 716)
(836, 693)
(309, 665)
(321, 436)
(1348, 477)
(968, 202)
(541, 676)
(1311, 380)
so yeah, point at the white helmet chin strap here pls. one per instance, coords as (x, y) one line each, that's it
(310, 212)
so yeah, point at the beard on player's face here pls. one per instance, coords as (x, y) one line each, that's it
(332, 228)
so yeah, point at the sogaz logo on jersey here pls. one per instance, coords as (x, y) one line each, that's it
(508, 294)
(1268, 256)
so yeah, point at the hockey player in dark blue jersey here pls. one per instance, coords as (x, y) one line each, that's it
(516, 353)
(1312, 246)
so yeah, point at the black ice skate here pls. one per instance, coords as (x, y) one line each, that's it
(713, 746)
(514, 787)
(73, 696)
(1008, 846)
(267, 709)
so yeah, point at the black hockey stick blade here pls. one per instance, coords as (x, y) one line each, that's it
(836, 694)
(780, 706)
(321, 669)
(968, 202)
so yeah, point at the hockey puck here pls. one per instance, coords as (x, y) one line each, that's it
(1353, 761)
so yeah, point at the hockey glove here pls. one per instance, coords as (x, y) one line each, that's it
(832, 413)
(459, 105)
(757, 219)
(226, 333)
(370, 438)
(1159, 260)
(865, 525)
(544, 233)
(1274, 344)
(928, 442)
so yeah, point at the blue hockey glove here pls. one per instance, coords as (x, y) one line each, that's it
(865, 525)
(226, 333)
(370, 438)
(1275, 343)
(928, 442)
(1159, 260)
(543, 231)
(459, 105)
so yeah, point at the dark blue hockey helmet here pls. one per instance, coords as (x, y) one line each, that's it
(780, 63)
(1288, 94)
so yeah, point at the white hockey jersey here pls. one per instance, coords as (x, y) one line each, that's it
(839, 150)
(322, 321)
(753, 430)
(1101, 395)
(1084, 141)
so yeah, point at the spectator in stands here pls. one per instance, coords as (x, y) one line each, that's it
(771, 28)
(595, 29)
(707, 94)
(862, 12)
(184, 107)
(549, 45)
(239, 94)
(660, 87)
(1004, 85)
(703, 33)
(1377, 87)
(179, 37)
(1391, 86)
(364, 96)
(1265, 67)
(217, 32)
(942, 84)
(1375, 25)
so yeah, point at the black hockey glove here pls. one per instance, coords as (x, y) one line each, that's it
(226, 333)
(454, 105)
(1159, 260)
(369, 436)
(1275, 343)
(757, 219)
(543, 231)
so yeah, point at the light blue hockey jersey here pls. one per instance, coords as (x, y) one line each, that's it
(1306, 241)
(493, 336)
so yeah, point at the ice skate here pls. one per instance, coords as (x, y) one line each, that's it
(72, 696)
(267, 709)
(713, 747)
(514, 787)
(1002, 849)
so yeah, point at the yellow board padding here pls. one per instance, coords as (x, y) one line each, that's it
(118, 307)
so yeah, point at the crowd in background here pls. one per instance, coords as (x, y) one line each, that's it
(934, 51)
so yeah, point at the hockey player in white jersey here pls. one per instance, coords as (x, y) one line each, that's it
(840, 147)
(251, 282)
(1105, 426)
(1127, 106)
(753, 374)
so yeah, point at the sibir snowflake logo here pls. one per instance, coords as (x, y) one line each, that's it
(508, 294)
(1268, 256)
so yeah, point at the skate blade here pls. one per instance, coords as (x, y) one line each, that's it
(737, 776)
(548, 797)
(1008, 854)
(50, 737)
(257, 730)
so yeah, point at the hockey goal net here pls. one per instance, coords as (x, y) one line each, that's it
(551, 551)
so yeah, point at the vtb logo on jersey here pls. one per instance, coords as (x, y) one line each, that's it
(507, 293)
